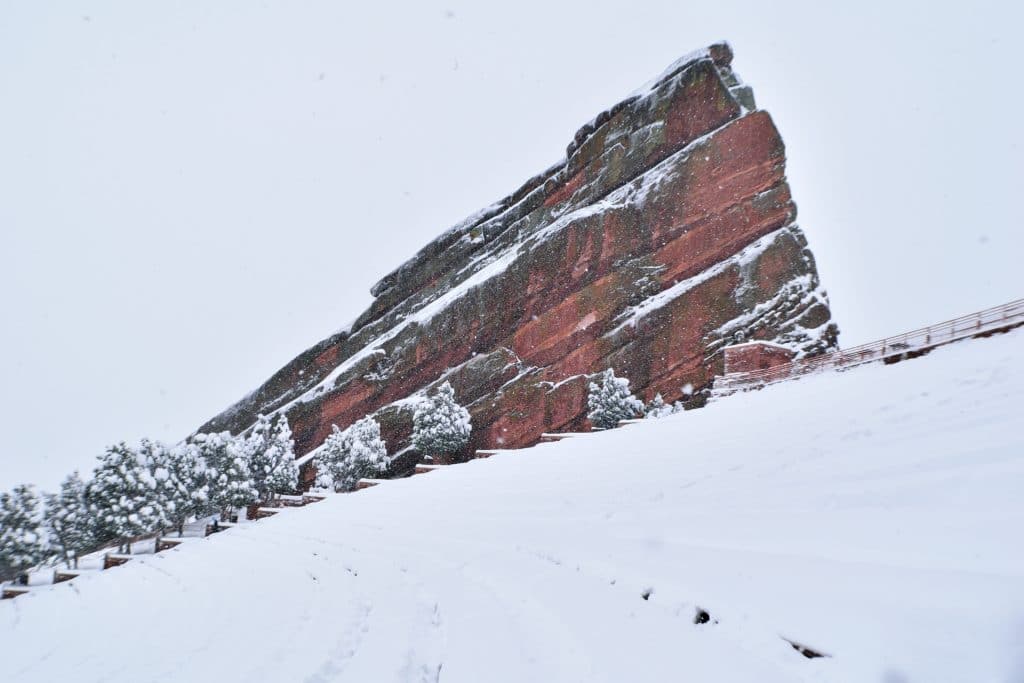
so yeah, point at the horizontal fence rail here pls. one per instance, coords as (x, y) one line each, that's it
(908, 344)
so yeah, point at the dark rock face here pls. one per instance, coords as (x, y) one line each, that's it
(667, 233)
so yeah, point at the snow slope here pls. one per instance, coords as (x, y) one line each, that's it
(873, 515)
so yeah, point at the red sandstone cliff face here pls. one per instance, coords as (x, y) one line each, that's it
(667, 232)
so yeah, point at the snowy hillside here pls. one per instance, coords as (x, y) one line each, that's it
(873, 516)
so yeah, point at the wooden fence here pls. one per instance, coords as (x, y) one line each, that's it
(890, 349)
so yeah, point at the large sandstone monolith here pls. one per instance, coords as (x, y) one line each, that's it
(666, 233)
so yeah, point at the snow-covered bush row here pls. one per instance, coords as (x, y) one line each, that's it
(155, 488)
(150, 489)
(441, 429)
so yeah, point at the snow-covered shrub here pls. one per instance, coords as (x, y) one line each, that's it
(23, 539)
(441, 427)
(658, 408)
(68, 520)
(348, 456)
(333, 470)
(187, 486)
(270, 452)
(610, 401)
(227, 472)
(123, 496)
(155, 460)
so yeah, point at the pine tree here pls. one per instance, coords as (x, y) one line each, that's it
(154, 458)
(187, 487)
(610, 401)
(348, 456)
(23, 540)
(227, 472)
(441, 427)
(331, 463)
(270, 453)
(68, 520)
(658, 408)
(284, 476)
(122, 496)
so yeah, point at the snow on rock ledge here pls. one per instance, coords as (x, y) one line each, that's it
(666, 233)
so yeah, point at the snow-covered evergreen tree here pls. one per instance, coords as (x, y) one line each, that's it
(610, 401)
(655, 407)
(68, 520)
(441, 427)
(23, 539)
(285, 475)
(348, 456)
(187, 487)
(270, 453)
(155, 460)
(122, 496)
(227, 472)
(658, 408)
(331, 464)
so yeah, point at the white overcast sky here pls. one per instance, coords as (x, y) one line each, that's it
(191, 193)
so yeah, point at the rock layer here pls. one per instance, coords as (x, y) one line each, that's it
(667, 232)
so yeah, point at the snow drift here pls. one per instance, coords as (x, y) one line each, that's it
(871, 516)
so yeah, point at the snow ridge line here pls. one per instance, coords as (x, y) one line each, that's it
(889, 350)
(909, 345)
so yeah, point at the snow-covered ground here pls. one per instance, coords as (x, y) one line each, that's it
(875, 516)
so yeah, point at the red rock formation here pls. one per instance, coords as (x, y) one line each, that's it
(753, 356)
(666, 232)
